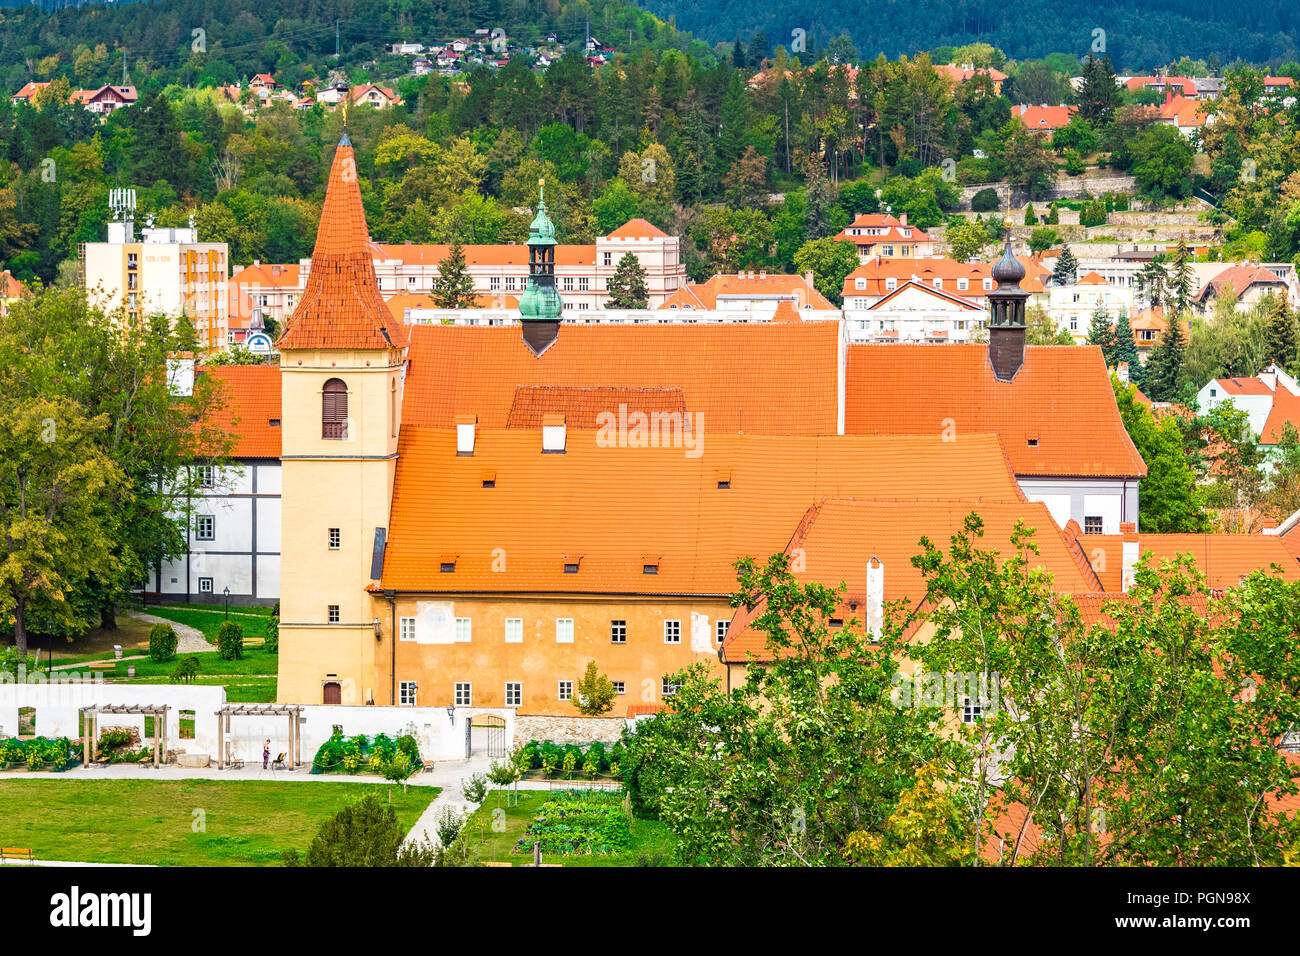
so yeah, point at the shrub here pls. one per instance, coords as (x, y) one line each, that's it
(1073, 162)
(162, 643)
(365, 833)
(230, 641)
(986, 200)
(449, 823)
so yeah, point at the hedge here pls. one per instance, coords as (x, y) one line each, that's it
(162, 643)
(230, 641)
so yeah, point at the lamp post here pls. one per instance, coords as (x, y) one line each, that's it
(226, 592)
(451, 713)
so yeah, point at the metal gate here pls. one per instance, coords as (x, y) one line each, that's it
(488, 735)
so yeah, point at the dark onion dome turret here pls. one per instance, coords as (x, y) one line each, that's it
(1008, 271)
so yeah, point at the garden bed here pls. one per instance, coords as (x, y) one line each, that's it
(543, 760)
(580, 822)
(37, 754)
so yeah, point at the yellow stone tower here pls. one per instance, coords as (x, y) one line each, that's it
(341, 359)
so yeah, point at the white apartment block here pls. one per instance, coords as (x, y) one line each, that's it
(167, 271)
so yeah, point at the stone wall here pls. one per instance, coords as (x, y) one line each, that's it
(568, 730)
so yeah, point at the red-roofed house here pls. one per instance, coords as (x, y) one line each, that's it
(1186, 114)
(965, 73)
(10, 289)
(1072, 306)
(233, 541)
(1247, 282)
(880, 234)
(105, 99)
(758, 292)
(1270, 399)
(28, 91)
(1057, 419)
(1044, 118)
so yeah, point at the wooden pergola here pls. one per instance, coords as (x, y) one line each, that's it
(292, 711)
(90, 717)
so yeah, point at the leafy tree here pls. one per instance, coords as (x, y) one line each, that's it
(594, 693)
(162, 643)
(926, 828)
(1162, 161)
(1125, 350)
(1042, 239)
(230, 641)
(1041, 329)
(966, 239)
(627, 286)
(1066, 271)
(454, 286)
(1171, 501)
(615, 205)
(1023, 160)
(986, 200)
(364, 833)
(1238, 478)
(830, 261)
(821, 711)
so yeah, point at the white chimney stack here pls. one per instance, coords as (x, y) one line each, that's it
(875, 609)
(465, 426)
(553, 434)
(1121, 372)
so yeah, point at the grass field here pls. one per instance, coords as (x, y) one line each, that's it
(250, 680)
(244, 822)
(208, 619)
(652, 842)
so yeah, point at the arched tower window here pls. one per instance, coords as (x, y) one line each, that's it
(334, 410)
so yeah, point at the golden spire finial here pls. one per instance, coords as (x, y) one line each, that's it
(346, 97)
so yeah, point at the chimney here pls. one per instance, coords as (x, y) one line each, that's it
(553, 434)
(875, 609)
(1269, 377)
(465, 427)
(1121, 372)
(902, 220)
(1129, 553)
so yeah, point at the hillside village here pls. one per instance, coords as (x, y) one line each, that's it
(926, 459)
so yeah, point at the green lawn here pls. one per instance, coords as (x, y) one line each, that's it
(250, 680)
(652, 841)
(208, 619)
(245, 822)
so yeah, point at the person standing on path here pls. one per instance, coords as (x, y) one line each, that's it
(266, 754)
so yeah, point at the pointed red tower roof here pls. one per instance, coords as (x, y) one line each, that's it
(341, 307)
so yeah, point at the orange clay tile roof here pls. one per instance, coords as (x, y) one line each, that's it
(963, 74)
(581, 407)
(1139, 83)
(273, 274)
(785, 312)
(614, 505)
(341, 307)
(399, 302)
(1183, 111)
(10, 288)
(875, 273)
(838, 537)
(1044, 117)
(1238, 279)
(251, 401)
(638, 229)
(1061, 399)
(775, 379)
(895, 230)
(1244, 386)
(742, 285)
(1286, 409)
(1091, 279)
(1224, 559)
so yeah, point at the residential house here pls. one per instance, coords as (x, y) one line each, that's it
(1271, 401)
(106, 99)
(880, 234)
(233, 537)
(28, 91)
(1248, 283)
(916, 312)
(966, 72)
(1072, 306)
(1044, 119)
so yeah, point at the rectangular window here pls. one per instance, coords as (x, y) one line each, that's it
(619, 686)
(564, 630)
(971, 710)
(607, 258)
(618, 632)
(406, 693)
(207, 476)
(514, 693)
(514, 630)
(333, 613)
(568, 283)
(566, 690)
(205, 585)
(406, 628)
(1092, 524)
(494, 284)
(464, 630)
(205, 528)
(668, 689)
(582, 284)
(721, 630)
(464, 694)
(672, 632)
(335, 539)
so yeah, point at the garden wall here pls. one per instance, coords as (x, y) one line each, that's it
(569, 730)
(441, 737)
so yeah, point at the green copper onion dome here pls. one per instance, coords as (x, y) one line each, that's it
(540, 301)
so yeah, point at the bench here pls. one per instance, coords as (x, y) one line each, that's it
(16, 853)
(101, 667)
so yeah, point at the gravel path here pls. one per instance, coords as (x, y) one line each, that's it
(189, 640)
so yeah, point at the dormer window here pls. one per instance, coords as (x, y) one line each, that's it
(447, 567)
(334, 410)
(650, 568)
